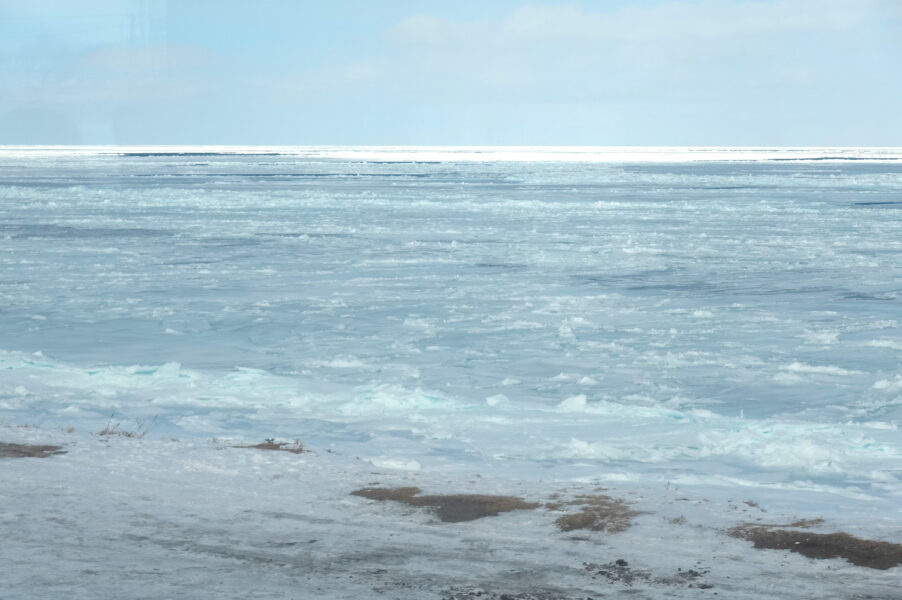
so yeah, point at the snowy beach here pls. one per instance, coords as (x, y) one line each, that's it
(656, 358)
(134, 518)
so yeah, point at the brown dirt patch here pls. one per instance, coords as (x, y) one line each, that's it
(598, 513)
(295, 447)
(451, 508)
(28, 450)
(863, 553)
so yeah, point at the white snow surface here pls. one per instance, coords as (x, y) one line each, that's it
(710, 334)
(119, 517)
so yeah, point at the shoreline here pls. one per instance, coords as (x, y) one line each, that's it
(323, 524)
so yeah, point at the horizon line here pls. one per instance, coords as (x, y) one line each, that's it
(485, 153)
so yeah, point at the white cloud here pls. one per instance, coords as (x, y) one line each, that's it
(574, 25)
(657, 71)
(571, 53)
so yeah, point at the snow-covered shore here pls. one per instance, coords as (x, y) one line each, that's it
(126, 517)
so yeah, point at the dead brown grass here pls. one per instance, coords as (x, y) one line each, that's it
(111, 429)
(108, 431)
(28, 450)
(598, 513)
(863, 553)
(451, 508)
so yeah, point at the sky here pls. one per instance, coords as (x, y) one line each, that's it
(487, 72)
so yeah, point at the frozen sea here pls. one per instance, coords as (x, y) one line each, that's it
(714, 334)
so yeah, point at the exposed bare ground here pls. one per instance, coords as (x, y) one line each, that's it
(864, 553)
(598, 513)
(452, 508)
(472, 593)
(295, 447)
(28, 450)
(620, 572)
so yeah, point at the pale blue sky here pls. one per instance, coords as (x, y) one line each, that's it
(647, 72)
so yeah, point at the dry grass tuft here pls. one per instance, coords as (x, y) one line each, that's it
(108, 431)
(806, 523)
(452, 508)
(144, 425)
(295, 447)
